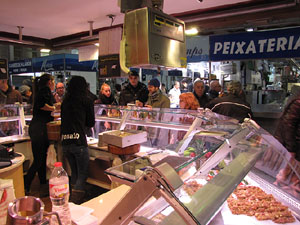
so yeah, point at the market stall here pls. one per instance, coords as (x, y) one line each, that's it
(191, 179)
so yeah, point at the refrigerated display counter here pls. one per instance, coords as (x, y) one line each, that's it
(189, 168)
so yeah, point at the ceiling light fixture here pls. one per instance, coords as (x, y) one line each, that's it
(249, 29)
(45, 50)
(97, 44)
(192, 31)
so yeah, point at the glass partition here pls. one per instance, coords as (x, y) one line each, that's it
(212, 154)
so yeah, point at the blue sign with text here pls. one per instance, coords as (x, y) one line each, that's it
(63, 62)
(20, 66)
(197, 49)
(284, 43)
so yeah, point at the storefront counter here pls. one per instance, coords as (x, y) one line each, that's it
(15, 172)
(104, 203)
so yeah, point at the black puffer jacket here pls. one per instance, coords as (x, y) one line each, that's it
(130, 94)
(288, 129)
(231, 105)
(106, 100)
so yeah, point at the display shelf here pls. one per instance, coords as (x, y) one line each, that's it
(98, 183)
(217, 142)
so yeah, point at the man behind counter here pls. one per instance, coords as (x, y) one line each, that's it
(133, 91)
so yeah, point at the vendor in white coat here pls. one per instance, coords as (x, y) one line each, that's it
(174, 94)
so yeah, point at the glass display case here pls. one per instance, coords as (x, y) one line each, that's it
(195, 164)
(13, 119)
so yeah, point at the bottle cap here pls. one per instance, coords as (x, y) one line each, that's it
(58, 164)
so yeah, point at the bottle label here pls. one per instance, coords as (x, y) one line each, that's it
(59, 191)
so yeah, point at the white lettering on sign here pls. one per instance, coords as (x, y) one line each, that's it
(251, 48)
(257, 46)
(19, 64)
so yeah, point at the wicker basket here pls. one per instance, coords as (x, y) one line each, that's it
(124, 151)
(53, 130)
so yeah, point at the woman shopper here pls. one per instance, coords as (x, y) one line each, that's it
(105, 98)
(43, 105)
(77, 113)
(188, 100)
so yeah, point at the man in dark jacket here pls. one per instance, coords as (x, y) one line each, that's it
(8, 95)
(214, 89)
(233, 104)
(133, 91)
(199, 92)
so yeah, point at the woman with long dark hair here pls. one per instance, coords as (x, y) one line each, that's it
(43, 105)
(77, 113)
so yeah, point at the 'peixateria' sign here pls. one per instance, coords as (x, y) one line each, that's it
(284, 43)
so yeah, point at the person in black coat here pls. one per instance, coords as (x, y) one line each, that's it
(105, 98)
(77, 113)
(199, 93)
(133, 91)
(233, 104)
(43, 105)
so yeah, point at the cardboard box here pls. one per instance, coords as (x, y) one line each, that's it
(125, 138)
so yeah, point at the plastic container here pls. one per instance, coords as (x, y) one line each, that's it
(59, 194)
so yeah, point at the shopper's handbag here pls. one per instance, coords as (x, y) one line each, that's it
(5, 157)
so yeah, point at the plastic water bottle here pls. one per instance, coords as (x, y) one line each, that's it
(59, 194)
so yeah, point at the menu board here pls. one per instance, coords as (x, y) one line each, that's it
(3, 69)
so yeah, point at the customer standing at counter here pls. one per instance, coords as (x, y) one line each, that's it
(42, 108)
(214, 89)
(77, 113)
(156, 98)
(199, 93)
(8, 95)
(233, 104)
(60, 91)
(134, 91)
(188, 101)
(105, 98)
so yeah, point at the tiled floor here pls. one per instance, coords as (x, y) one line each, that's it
(92, 191)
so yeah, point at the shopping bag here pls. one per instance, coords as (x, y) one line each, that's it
(51, 157)
(7, 195)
